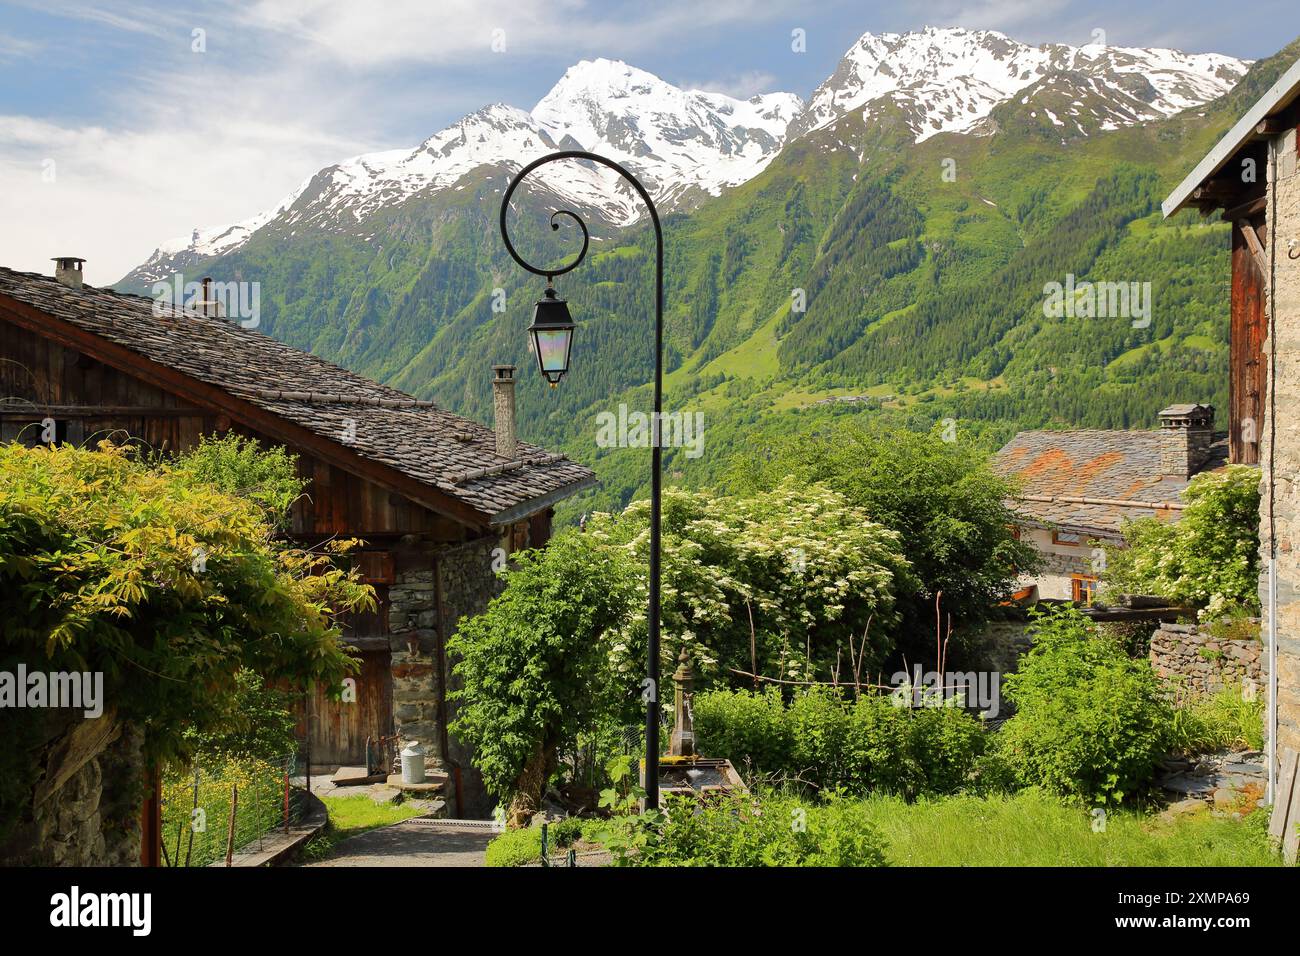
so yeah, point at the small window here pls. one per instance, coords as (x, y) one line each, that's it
(1084, 588)
(1066, 537)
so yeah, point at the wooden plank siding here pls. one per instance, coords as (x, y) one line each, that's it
(1247, 334)
(338, 730)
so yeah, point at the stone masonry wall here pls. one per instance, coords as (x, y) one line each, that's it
(1283, 498)
(84, 808)
(1189, 654)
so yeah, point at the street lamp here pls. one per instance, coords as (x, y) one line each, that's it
(552, 335)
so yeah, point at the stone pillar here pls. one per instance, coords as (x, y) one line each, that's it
(682, 741)
(503, 410)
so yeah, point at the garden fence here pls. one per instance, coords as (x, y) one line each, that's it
(222, 804)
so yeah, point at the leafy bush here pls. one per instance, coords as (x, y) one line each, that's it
(261, 723)
(741, 830)
(749, 729)
(561, 653)
(1090, 720)
(1209, 722)
(167, 585)
(535, 665)
(518, 847)
(872, 744)
(1209, 558)
(515, 847)
(240, 466)
(800, 564)
(943, 498)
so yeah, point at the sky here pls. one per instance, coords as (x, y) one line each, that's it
(127, 123)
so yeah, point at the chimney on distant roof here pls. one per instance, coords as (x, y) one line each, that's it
(1186, 433)
(503, 410)
(207, 305)
(67, 271)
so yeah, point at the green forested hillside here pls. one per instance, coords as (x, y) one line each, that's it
(921, 268)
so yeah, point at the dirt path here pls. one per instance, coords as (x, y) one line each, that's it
(412, 844)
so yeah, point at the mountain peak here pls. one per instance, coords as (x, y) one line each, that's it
(948, 79)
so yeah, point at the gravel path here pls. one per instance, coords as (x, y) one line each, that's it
(412, 844)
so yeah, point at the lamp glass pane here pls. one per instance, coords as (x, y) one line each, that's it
(553, 349)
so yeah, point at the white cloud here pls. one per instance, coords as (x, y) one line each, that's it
(457, 30)
(740, 86)
(11, 47)
(112, 196)
(285, 88)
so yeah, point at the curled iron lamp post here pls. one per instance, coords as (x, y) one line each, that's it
(552, 334)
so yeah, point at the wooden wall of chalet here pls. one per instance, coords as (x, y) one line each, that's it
(91, 400)
(1248, 332)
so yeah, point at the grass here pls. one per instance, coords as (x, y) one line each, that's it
(350, 816)
(1209, 722)
(1025, 829)
(1035, 829)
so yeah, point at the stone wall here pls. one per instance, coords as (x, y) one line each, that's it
(999, 645)
(1191, 655)
(84, 806)
(1282, 499)
(466, 581)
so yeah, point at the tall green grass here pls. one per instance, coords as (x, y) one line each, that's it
(1035, 829)
(1224, 719)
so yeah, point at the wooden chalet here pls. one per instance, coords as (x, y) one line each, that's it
(433, 494)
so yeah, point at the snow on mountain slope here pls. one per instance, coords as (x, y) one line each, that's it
(673, 139)
(676, 141)
(684, 144)
(949, 80)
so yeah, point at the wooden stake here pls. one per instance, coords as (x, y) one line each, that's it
(230, 830)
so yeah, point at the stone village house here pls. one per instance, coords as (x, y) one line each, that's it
(1079, 486)
(1253, 176)
(433, 494)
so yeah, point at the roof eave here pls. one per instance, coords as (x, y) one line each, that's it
(1279, 96)
(526, 509)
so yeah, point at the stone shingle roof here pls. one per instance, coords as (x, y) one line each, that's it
(453, 454)
(1091, 480)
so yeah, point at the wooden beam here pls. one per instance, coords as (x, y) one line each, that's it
(97, 411)
(217, 399)
(1256, 248)
(1247, 210)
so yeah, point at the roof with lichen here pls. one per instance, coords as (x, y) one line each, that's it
(1092, 480)
(448, 452)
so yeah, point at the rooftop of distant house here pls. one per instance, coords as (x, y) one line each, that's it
(1092, 480)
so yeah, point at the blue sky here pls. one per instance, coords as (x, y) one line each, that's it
(116, 133)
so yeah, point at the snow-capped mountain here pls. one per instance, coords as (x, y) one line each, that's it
(688, 144)
(681, 144)
(673, 139)
(949, 80)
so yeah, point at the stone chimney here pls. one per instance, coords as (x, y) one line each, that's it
(1186, 433)
(67, 271)
(503, 410)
